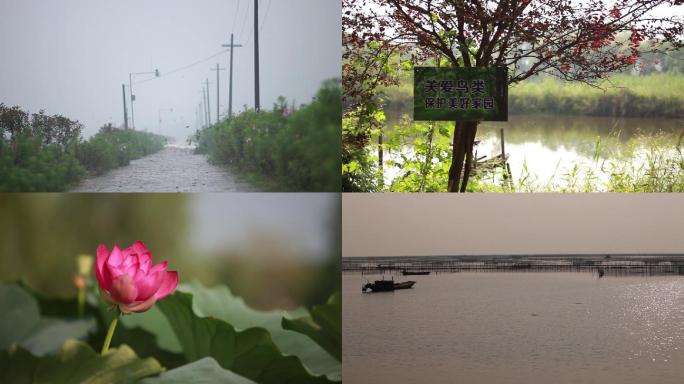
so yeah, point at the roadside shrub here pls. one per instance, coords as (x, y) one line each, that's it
(283, 149)
(112, 147)
(28, 166)
(44, 153)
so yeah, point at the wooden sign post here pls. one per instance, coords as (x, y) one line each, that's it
(466, 96)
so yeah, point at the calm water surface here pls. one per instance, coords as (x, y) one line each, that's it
(544, 148)
(508, 327)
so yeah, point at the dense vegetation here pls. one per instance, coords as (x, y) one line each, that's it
(195, 332)
(44, 153)
(541, 44)
(417, 154)
(282, 149)
(112, 147)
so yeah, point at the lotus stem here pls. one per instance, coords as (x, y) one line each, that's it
(81, 302)
(110, 333)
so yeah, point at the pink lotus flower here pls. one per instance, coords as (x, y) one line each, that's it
(128, 279)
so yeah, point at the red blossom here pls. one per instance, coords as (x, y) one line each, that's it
(635, 38)
(615, 12)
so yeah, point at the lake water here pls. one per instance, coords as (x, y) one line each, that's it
(544, 148)
(515, 327)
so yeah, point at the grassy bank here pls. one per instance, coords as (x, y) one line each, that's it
(655, 95)
(42, 153)
(282, 149)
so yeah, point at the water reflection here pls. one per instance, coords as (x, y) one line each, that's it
(544, 149)
(516, 327)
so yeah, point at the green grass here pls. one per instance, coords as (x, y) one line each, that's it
(655, 95)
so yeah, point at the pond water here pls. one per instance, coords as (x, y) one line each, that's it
(546, 147)
(514, 327)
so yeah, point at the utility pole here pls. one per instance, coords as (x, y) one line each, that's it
(204, 105)
(230, 81)
(217, 69)
(204, 108)
(257, 106)
(201, 116)
(130, 89)
(123, 89)
(208, 102)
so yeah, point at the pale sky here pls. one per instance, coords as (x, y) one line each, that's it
(307, 222)
(491, 224)
(70, 57)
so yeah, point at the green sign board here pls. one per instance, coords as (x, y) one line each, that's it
(460, 94)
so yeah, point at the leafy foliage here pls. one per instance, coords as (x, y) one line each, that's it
(202, 371)
(112, 147)
(250, 353)
(282, 149)
(76, 362)
(42, 153)
(324, 325)
(27, 165)
(209, 331)
(219, 302)
(584, 42)
(22, 323)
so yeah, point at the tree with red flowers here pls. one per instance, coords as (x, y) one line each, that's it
(571, 40)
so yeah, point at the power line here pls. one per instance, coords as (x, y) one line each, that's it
(244, 22)
(263, 21)
(184, 67)
(237, 10)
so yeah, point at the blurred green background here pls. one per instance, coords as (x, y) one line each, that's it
(276, 250)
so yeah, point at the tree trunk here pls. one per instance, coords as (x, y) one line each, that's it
(461, 156)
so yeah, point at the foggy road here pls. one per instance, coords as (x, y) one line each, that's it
(172, 169)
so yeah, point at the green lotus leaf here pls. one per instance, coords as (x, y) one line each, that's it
(75, 362)
(220, 303)
(22, 323)
(323, 325)
(250, 353)
(202, 371)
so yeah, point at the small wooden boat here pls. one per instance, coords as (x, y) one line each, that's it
(386, 286)
(409, 273)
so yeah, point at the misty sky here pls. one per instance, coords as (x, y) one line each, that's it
(447, 224)
(306, 222)
(70, 57)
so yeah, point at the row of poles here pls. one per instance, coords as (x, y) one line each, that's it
(204, 107)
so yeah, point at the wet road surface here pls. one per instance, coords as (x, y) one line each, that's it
(172, 169)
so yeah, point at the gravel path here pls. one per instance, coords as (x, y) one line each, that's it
(172, 169)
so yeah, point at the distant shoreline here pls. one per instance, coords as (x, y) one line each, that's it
(515, 262)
